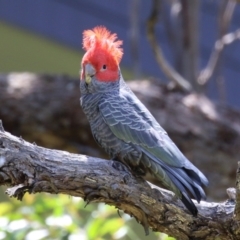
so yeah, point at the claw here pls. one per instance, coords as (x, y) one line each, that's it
(87, 202)
(91, 194)
(119, 213)
(119, 166)
(144, 223)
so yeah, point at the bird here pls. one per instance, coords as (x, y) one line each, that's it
(125, 128)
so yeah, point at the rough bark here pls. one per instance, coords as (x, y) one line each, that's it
(29, 168)
(45, 109)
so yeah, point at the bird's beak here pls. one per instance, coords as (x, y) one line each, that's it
(89, 71)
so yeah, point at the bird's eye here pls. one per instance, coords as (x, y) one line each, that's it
(104, 66)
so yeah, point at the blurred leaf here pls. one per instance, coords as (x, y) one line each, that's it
(111, 226)
(5, 208)
(65, 217)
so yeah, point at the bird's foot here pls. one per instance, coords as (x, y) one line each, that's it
(94, 194)
(119, 166)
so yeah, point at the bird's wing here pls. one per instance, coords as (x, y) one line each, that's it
(147, 116)
(130, 121)
(130, 125)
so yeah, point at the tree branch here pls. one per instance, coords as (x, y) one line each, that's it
(189, 41)
(224, 39)
(237, 195)
(170, 73)
(45, 109)
(29, 168)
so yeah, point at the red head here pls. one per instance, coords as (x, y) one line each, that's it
(103, 54)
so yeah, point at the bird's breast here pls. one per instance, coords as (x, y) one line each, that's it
(100, 130)
(104, 136)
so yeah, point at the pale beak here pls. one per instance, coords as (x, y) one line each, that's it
(89, 71)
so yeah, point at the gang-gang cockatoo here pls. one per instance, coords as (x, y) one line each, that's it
(124, 127)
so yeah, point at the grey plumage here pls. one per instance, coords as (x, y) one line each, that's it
(124, 127)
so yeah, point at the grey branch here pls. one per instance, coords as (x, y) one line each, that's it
(170, 73)
(224, 40)
(29, 168)
(237, 208)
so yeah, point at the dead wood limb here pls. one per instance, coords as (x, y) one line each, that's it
(29, 168)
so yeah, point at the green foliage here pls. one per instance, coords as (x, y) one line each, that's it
(45, 216)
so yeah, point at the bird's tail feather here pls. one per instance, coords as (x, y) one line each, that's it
(182, 181)
(184, 193)
(189, 204)
(179, 175)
